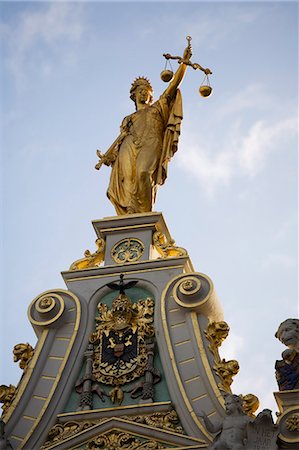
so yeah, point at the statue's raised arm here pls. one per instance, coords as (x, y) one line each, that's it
(180, 73)
(147, 141)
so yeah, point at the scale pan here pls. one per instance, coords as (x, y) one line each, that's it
(166, 75)
(205, 90)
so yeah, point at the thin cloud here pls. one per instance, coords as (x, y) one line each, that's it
(38, 38)
(214, 26)
(244, 152)
(261, 140)
(253, 96)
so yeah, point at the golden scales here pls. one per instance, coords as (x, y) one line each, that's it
(205, 89)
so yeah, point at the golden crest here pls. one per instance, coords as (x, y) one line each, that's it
(120, 353)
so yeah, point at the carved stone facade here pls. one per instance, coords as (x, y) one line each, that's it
(128, 356)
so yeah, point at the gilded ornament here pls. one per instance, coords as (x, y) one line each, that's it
(91, 259)
(120, 347)
(187, 285)
(127, 250)
(164, 420)
(7, 394)
(250, 404)
(167, 248)
(61, 431)
(117, 395)
(46, 303)
(216, 333)
(190, 286)
(23, 353)
(226, 371)
(118, 440)
(292, 422)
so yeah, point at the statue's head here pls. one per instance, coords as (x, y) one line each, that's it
(288, 333)
(142, 91)
(233, 404)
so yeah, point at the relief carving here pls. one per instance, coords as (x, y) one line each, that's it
(91, 259)
(7, 394)
(167, 248)
(117, 440)
(23, 353)
(121, 350)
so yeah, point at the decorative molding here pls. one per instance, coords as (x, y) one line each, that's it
(165, 420)
(61, 431)
(226, 371)
(120, 440)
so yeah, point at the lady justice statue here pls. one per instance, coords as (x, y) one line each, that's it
(147, 141)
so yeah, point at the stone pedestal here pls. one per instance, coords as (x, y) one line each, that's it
(288, 419)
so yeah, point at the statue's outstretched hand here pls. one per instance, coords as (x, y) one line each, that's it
(187, 53)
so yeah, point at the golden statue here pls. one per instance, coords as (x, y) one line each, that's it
(147, 141)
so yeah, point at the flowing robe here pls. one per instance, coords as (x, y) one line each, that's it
(149, 139)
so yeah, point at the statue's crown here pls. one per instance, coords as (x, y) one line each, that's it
(139, 81)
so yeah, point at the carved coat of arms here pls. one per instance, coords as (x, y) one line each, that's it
(120, 353)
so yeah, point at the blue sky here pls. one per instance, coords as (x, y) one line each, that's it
(231, 194)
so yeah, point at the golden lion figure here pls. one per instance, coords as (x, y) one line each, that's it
(23, 353)
(7, 394)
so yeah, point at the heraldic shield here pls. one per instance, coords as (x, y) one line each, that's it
(120, 353)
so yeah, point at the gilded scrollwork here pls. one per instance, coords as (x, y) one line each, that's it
(127, 250)
(167, 248)
(226, 371)
(61, 431)
(165, 420)
(292, 422)
(23, 353)
(216, 333)
(91, 259)
(118, 440)
(7, 394)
